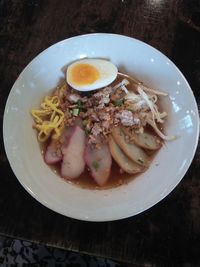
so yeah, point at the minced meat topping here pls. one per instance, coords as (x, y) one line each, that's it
(103, 109)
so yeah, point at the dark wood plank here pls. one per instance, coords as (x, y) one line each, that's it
(169, 233)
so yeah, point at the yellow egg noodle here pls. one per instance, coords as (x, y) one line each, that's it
(49, 119)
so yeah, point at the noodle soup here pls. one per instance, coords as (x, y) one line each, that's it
(100, 138)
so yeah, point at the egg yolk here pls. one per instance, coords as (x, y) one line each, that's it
(84, 74)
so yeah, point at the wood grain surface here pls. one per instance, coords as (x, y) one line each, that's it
(168, 234)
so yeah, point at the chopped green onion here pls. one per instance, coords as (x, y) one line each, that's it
(79, 104)
(119, 102)
(140, 161)
(75, 111)
(95, 165)
(87, 131)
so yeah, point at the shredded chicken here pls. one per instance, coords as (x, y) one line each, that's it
(127, 118)
(73, 98)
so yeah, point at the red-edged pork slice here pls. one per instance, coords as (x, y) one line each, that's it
(99, 161)
(73, 163)
(66, 135)
(53, 153)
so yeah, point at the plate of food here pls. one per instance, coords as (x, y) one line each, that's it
(100, 127)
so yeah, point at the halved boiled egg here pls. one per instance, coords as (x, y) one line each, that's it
(90, 74)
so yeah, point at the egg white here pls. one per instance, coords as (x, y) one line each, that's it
(107, 74)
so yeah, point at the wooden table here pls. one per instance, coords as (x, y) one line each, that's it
(167, 234)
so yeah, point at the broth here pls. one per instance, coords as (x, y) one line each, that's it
(85, 180)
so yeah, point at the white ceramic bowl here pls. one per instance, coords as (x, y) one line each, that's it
(134, 58)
